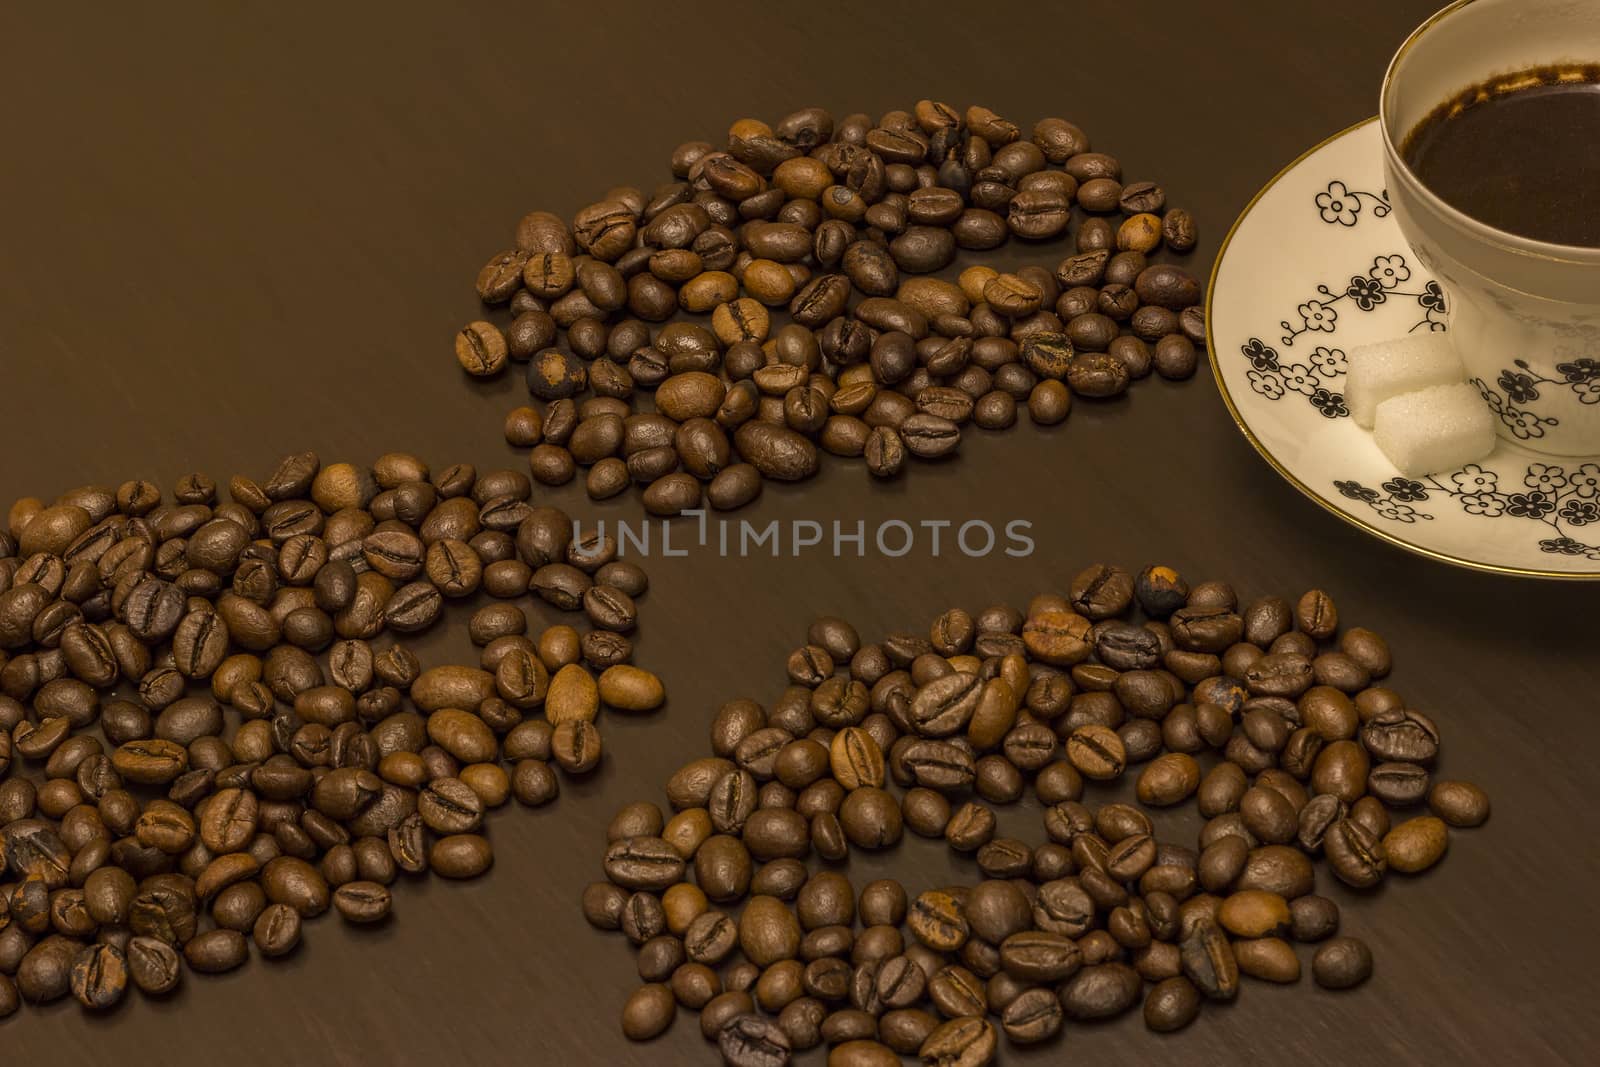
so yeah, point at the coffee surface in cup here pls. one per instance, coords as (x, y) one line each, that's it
(1521, 153)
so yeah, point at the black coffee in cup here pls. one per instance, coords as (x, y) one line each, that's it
(1520, 152)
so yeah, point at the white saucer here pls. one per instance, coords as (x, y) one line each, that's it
(1316, 266)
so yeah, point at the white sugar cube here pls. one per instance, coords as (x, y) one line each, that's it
(1435, 429)
(1380, 371)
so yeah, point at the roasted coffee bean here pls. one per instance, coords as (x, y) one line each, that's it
(1175, 357)
(1049, 355)
(1033, 1017)
(1208, 961)
(644, 863)
(1319, 813)
(1459, 803)
(100, 977)
(1401, 735)
(1168, 286)
(937, 920)
(1416, 844)
(1269, 959)
(33, 849)
(1355, 854)
(1370, 812)
(994, 910)
(153, 965)
(648, 1012)
(460, 856)
(1172, 1004)
(1398, 784)
(956, 991)
(1341, 963)
(1101, 991)
(1253, 913)
(970, 827)
(1095, 373)
(929, 436)
(1168, 780)
(946, 705)
(216, 951)
(1040, 956)
(870, 818)
(753, 1041)
(1096, 752)
(776, 452)
(1313, 918)
(967, 1041)
(1276, 869)
(1269, 815)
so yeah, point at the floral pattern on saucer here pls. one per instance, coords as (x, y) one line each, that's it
(1274, 376)
(1519, 389)
(1319, 220)
(1565, 501)
(1339, 205)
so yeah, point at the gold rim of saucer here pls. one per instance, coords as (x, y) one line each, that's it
(1289, 476)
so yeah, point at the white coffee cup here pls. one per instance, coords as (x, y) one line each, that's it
(1508, 298)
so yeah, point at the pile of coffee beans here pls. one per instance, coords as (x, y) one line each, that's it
(1275, 721)
(211, 728)
(800, 218)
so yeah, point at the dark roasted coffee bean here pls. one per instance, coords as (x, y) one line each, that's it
(1355, 854)
(1401, 735)
(930, 436)
(1049, 355)
(1318, 815)
(1398, 784)
(1178, 230)
(885, 452)
(1313, 918)
(33, 850)
(777, 452)
(753, 1041)
(1101, 991)
(1275, 869)
(1175, 357)
(1033, 1017)
(1341, 963)
(1167, 286)
(362, 901)
(644, 863)
(216, 951)
(153, 965)
(1208, 961)
(1040, 956)
(1172, 1004)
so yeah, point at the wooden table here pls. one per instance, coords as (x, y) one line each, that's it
(231, 235)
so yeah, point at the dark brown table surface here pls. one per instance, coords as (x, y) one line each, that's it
(228, 235)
